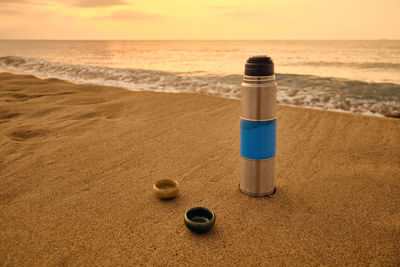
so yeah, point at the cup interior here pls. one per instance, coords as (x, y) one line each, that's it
(200, 215)
(165, 184)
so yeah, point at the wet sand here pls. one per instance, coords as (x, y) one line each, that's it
(77, 165)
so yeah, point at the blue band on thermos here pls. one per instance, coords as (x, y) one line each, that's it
(257, 139)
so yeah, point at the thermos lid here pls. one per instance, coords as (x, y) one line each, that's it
(259, 66)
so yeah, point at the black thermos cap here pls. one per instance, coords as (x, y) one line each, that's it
(259, 66)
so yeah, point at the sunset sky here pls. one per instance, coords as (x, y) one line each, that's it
(199, 19)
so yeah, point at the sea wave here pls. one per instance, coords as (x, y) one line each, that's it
(380, 99)
(358, 65)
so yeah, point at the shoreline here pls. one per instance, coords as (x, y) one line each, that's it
(78, 162)
(369, 114)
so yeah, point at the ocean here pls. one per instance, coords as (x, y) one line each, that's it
(360, 77)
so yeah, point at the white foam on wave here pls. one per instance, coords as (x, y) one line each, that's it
(298, 90)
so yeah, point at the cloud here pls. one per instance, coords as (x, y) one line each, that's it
(12, 1)
(24, 3)
(76, 3)
(9, 11)
(18, 13)
(17, 7)
(94, 3)
(129, 15)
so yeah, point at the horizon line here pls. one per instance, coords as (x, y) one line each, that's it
(45, 39)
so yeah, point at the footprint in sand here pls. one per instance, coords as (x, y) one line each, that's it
(8, 114)
(82, 101)
(45, 112)
(88, 115)
(24, 134)
(19, 97)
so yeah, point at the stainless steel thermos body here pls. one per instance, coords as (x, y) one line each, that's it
(258, 128)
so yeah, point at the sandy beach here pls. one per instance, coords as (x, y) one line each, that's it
(78, 162)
